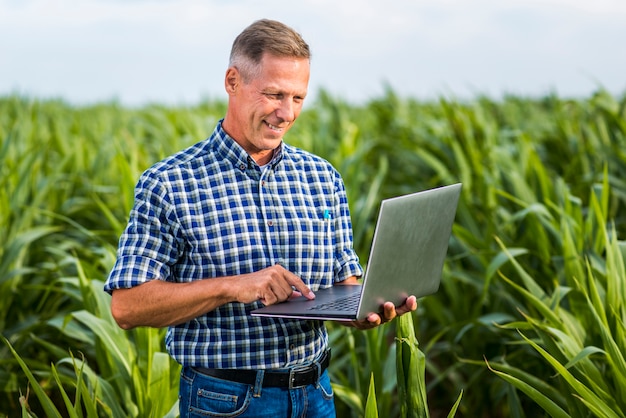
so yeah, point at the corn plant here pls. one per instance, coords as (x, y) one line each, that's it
(579, 329)
(531, 288)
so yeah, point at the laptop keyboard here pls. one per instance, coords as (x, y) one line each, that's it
(349, 303)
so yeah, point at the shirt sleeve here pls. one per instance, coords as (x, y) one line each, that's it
(148, 246)
(346, 260)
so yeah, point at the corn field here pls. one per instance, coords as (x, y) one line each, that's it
(530, 318)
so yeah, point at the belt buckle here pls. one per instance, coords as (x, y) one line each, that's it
(294, 371)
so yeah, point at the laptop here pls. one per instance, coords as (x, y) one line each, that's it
(407, 253)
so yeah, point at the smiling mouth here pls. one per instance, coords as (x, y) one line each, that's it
(275, 128)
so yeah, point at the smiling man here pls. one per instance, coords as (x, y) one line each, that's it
(235, 222)
(264, 102)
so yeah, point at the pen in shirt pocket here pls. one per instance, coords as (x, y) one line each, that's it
(328, 217)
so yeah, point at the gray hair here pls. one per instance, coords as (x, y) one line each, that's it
(265, 36)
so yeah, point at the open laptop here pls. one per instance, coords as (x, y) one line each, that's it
(406, 258)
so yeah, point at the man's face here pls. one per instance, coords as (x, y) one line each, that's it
(263, 110)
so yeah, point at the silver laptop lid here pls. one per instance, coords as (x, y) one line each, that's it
(409, 247)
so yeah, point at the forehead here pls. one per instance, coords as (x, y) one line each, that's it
(284, 73)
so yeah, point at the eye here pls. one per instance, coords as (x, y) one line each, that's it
(274, 96)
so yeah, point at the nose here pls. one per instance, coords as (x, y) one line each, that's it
(287, 110)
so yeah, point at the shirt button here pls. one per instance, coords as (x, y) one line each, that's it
(292, 347)
(270, 223)
(242, 167)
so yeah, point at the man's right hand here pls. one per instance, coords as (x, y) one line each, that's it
(158, 303)
(271, 285)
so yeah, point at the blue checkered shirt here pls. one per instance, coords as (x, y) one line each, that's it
(211, 211)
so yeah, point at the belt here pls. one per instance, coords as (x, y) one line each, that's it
(297, 376)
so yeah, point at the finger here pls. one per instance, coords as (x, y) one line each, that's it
(299, 286)
(282, 291)
(389, 312)
(267, 299)
(295, 283)
(275, 293)
(409, 305)
(374, 319)
(295, 294)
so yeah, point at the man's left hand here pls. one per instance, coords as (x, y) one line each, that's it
(388, 313)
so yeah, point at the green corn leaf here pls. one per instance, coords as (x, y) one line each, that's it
(12, 249)
(539, 384)
(528, 281)
(350, 397)
(597, 405)
(102, 391)
(371, 408)
(82, 391)
(46, 403)
(546, 403)
(411, 367)
(615, 355)
(112, 338)
(69, 406)
(564, 348)
(535, 301)
(456, 405)
(159, 384)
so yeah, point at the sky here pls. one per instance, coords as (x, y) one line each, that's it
(176, 52)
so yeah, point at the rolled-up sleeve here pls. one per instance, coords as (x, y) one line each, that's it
(148, 246)
(346, 260)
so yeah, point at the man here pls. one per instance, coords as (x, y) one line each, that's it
(235, 222)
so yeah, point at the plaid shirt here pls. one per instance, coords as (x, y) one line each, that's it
(211, 211)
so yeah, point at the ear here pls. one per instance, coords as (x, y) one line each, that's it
(232, 80)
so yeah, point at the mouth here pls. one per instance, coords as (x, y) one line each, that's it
(277, 129)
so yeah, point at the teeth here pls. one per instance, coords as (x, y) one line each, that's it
(276, 128)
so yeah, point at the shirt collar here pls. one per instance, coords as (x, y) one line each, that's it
(230, 150)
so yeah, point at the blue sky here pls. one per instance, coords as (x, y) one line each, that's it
(176, 51)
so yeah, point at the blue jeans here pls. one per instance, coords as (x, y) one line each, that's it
(206, 396)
